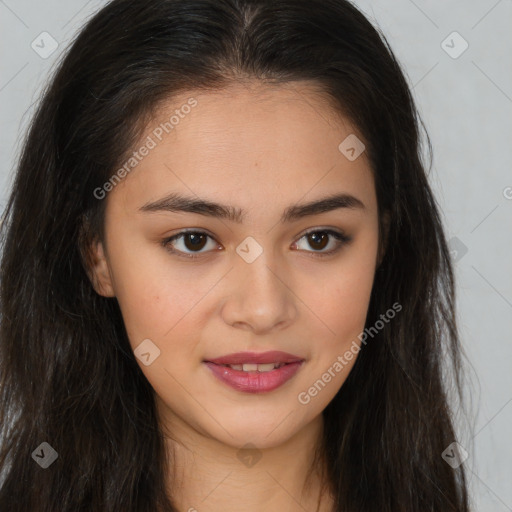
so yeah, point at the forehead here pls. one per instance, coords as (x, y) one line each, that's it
(247, 142)
(255, 117)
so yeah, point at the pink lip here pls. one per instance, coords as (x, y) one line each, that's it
(254, 382)
(274, 356)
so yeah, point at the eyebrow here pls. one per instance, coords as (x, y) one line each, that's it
(178, 203)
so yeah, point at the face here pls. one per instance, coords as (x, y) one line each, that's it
(267, 271)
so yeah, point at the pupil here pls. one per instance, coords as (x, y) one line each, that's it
(315, 237)
(196, 240)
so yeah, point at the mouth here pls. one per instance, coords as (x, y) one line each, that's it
(275, 357)
(253, 367)
(254, 377)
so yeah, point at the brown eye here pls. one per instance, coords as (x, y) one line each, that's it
(318, 240)
(194, 241)
(187, 243)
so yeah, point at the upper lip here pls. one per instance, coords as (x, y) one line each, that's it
(274, 356)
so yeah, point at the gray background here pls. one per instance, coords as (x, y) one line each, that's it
(466, 103)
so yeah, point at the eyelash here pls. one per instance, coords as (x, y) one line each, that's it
(341, 238)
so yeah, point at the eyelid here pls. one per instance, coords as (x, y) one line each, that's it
(166, 243)
(341, 238)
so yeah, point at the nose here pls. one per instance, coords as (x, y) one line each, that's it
(261, 300)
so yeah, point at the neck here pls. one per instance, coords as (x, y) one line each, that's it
(206, 475)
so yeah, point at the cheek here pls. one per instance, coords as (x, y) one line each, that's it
(156, 299)
(351, 300)
(342, 305)
(343, 299)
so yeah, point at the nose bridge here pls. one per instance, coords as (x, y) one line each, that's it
(259, 278)
(259, 299)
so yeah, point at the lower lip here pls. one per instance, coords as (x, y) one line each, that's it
(254, 382)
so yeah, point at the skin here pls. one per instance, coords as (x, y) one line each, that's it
(260, 148)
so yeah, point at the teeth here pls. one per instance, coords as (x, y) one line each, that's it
(252, 367)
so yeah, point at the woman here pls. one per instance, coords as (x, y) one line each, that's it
(225, 283)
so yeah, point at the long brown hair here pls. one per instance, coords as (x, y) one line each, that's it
(68, 375)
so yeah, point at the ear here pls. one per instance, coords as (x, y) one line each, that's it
(99, 271)
(383, 241)
(95, 262)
